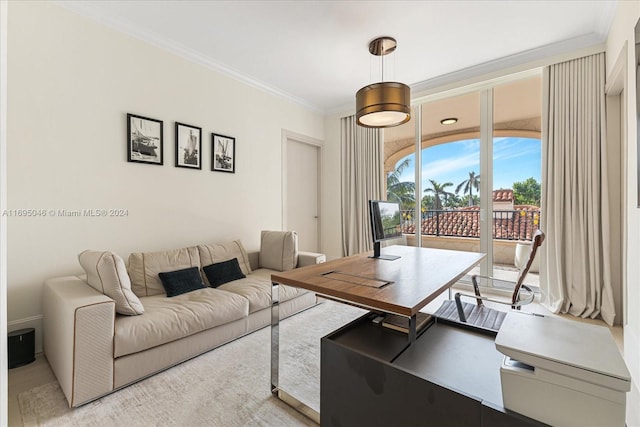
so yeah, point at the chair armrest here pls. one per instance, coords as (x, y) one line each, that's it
(493, 278)
(310, 258)
(78, 338)
(529, 298)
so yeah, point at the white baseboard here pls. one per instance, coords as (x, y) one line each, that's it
(34, 322)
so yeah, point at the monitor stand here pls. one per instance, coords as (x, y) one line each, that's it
(376, 253)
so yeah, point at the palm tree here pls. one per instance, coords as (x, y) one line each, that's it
(402, 192)
(439, 190)
(469, 185)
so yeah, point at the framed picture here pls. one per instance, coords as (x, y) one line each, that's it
(188, 146)
(144, 140)
(223, 153)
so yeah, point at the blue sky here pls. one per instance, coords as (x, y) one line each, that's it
(514, 159)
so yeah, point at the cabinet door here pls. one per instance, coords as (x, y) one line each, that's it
(358, 390)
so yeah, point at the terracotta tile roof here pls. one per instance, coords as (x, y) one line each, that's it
(503, 195)
(518, 224)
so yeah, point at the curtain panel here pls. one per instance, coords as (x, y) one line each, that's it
(362, 179)
(575, 276)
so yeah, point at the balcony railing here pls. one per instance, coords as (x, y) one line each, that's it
(507, 224)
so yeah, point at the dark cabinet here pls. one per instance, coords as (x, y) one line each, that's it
(448, 377)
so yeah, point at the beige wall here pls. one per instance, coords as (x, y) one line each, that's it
(71, 83)
(621, 32)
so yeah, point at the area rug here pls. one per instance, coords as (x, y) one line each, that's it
(228, 386)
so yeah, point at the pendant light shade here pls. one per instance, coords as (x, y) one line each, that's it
(383, 104)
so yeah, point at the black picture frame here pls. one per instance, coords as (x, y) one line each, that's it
(223, 153)
(188, 146)
(144, 140)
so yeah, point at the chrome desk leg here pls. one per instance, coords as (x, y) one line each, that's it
(275, 361)
(275, 337)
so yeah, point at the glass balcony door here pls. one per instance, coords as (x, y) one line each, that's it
(473, 162)
(516, 176)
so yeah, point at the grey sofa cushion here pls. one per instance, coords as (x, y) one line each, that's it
(145, 267)
(279, 250)
(257, 289)
(169, 319)
(218, 252)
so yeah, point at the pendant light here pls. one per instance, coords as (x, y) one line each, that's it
(384, 104)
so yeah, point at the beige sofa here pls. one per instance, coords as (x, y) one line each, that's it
(93, 350)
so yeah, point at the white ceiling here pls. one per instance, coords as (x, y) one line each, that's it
(316, 52)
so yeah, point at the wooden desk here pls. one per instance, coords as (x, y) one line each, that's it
(401, 286)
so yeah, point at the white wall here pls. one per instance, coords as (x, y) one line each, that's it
(621, 32)
(71, 83)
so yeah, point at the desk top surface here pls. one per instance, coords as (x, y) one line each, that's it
(412, 281)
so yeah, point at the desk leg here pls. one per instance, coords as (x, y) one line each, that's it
(412, 329)
(275, 337)
(275, 361)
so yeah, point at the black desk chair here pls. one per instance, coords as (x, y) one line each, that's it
(480, 316)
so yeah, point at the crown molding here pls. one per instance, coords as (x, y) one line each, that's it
(88, 10)
(513, 64)
(516, 63)
(606, 20)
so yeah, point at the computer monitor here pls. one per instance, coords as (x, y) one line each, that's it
(385, 224)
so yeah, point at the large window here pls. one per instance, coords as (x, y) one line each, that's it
(479, 177)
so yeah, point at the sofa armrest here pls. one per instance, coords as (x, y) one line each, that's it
(78, 338)
(310, 258)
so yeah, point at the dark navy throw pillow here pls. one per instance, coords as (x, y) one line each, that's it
(223, 272)
(181, 281)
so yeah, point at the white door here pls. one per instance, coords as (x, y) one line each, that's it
(302, 192)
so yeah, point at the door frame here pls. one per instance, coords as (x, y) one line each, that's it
(616, 93)
(4, 10)
(287, 136)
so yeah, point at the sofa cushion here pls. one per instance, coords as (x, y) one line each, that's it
(144, 268)
(107, 273)
(279, 250)
(223, 272)
(181, 281)
(169, 319)
(218, 252)
(256, 287)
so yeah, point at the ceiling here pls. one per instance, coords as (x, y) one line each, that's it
(514, 103)
(316, 52)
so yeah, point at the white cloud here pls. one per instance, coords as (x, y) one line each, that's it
(466, 157)
(511, 148)
(444, 167)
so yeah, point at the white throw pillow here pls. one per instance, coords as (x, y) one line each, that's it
(279, 250)
(107, 273)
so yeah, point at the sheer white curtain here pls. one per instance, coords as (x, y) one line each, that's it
(575, 276)
(362, 179)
